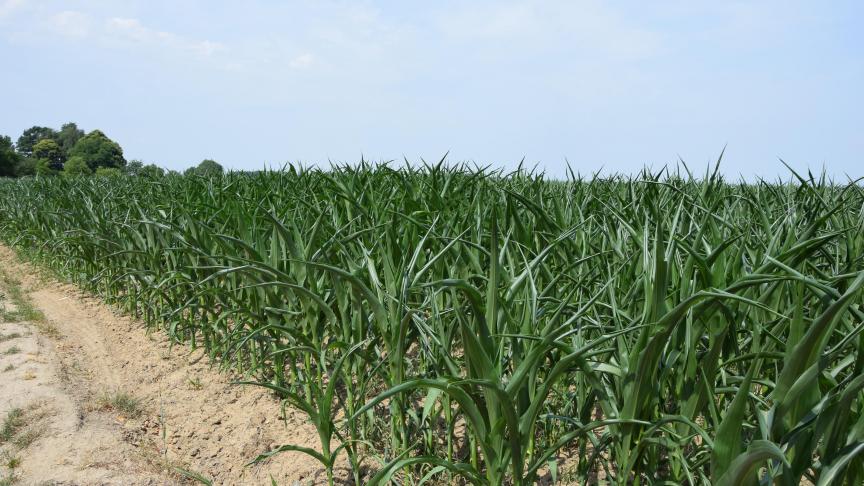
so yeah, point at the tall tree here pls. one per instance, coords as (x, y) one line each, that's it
(49, 150)
(68, 136)
(45, 168)
(133, 167)
(26, 166)
(8, 157)
(98, 151)
(31, 137)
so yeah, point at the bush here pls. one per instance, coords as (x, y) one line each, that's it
(76, 166)
(45, 167)
(26, 167)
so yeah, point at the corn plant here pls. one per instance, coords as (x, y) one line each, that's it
(455, 324)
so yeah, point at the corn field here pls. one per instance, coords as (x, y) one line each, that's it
(447, 324)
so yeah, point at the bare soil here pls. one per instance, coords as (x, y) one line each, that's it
(103, 402)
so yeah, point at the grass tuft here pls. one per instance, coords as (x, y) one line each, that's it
(120, 402)
(10, 336)
(12, 423)
(22, 426)
(23, 309)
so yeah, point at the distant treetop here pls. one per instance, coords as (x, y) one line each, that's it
(71, 151)
(207, 168)
(68, 136)
(98, 151)
(31, 137)
(47, 149)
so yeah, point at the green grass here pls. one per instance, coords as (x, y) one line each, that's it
(195, 383)
(192, 476)
(27, 436)
(21, 427)
(467, 325)
(23, 308)
(10, 336)
(12, 423)
(10, 463)
(11, 350)
(120, 402)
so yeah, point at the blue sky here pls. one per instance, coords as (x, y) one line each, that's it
(617, 85)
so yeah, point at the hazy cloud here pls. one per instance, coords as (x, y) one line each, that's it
(7, 7)
(583, 25)
(133, 30)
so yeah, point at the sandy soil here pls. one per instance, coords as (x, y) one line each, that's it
(67, 372)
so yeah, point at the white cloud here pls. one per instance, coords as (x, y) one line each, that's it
(133, 30)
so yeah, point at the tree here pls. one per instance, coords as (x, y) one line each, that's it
(76, 166)
(26, 167)
(99, 151)
(31, 136)
(44, 167)
(8, 157)
(207, 168)
(136, 168)
(133, 168)
(49, 149)
(68, 136)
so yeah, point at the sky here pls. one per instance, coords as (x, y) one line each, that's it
(613, 86)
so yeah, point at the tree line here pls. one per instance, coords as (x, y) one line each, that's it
(44, 152)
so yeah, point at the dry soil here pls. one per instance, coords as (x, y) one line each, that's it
(100, 401)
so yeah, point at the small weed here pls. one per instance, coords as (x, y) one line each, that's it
(23, 309)
(12, 462)
(12, 350)
(11, 335)
(11, 424)
(195, 383)
(8, 480)
(21, 426)
(9, 367)
(25, 437)
(192, 475)
(122, 402)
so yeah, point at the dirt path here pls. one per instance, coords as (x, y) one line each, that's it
(90, 398)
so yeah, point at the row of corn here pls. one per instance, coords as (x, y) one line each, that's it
(448, 324)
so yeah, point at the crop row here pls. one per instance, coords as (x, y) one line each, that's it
(447, 324)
